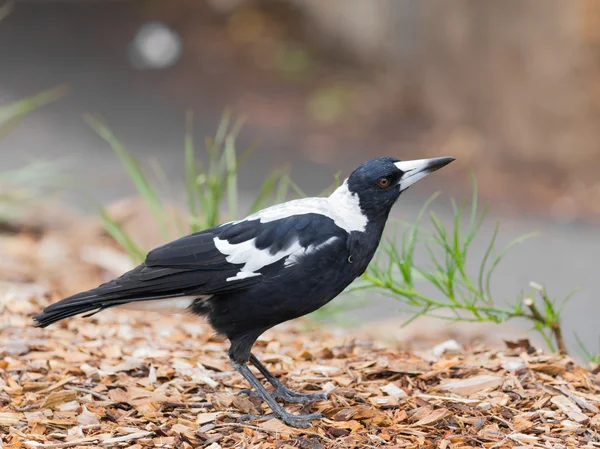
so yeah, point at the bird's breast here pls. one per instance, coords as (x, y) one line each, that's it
(361, 247)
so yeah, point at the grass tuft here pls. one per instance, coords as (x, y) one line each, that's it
(12, 114)
(210, 183)
(21, 188)
(461, 296)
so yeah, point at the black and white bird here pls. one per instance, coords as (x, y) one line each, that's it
(280, 263)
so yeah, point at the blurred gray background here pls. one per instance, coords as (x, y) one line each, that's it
(511, 89)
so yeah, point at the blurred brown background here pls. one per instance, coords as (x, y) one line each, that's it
(510, 88)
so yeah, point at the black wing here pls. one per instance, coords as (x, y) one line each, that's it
(199, 253)
(194, 265)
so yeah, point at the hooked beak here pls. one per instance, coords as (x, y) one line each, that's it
(418, 169)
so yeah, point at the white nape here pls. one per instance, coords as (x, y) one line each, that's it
(343, 207)
(253, 258)
(179, 304)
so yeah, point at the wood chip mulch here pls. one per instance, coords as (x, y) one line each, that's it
(124, 379)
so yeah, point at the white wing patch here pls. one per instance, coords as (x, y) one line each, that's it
(294, 258)
(248, 254)
(343, 207)
(255, 259)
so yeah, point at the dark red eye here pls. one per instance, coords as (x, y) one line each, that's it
(383, 182)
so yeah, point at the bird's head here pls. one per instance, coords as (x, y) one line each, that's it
(379, 182)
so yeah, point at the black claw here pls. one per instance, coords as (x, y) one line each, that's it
(297, 422)
(250, 417)
(247, 417)
(301, 420)
(288, 418)
(248, 392)
(298, 398)
(318, 396)
(288, 395)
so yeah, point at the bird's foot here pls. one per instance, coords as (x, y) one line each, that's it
(290, 419)
(289, 396)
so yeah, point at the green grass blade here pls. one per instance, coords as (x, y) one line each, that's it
(135, 173)
(191, 173)
(115, 230)
(583, 350)
(283, 187)
(216, 145)
(249, 151)
(337, 181)
(222, 129)
(266, 189)
(29, 104)
(500, 256)
(12, 114)
(567, 299)
(486, 256)
(427, 309)
(295, 187)
(473, 227)
(232, 189)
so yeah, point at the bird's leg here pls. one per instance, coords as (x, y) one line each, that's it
(281, 391)
(287, 417)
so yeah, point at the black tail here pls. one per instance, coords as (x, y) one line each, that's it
(60, 310)
(140, 284)
(93, 301)
(90, 302)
